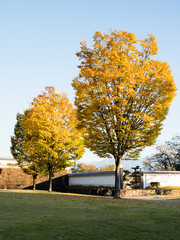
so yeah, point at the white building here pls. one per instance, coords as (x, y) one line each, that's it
(8, 163)
(164, 178)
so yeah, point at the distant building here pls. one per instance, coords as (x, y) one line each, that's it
(8, 163)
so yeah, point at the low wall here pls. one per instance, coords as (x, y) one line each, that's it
(165, 178)
(137, 192)
(148, 192)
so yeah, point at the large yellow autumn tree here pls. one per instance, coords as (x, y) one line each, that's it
(122, 95)
(51, 134)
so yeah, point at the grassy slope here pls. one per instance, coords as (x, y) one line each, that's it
(55, 216)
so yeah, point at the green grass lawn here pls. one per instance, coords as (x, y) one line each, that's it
(46, 216)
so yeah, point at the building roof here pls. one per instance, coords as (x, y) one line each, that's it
(91, 173)
(161, 172)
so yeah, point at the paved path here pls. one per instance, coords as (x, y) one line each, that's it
(154, 200)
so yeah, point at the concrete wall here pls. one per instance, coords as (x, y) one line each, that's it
(165, 178)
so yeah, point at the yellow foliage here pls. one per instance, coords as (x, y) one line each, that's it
(50, 126)
(122, 93)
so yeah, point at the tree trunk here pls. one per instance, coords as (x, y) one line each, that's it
(117, 178)
(34, 181)
(50, 179)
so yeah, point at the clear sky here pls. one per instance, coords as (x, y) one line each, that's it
(39, 39)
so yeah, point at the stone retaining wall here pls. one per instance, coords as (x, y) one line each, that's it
(136, 192)
(147, 192)
(15, 178)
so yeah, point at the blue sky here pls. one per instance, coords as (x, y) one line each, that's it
(39, 39)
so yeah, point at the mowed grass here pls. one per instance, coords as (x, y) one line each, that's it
(40, 216)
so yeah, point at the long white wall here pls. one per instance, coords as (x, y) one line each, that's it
(95, 180)
(165, 178)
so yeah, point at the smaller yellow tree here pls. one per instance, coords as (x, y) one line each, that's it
(51, 132)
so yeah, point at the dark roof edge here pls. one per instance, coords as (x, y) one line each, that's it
(91, 173)
(161, 172)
